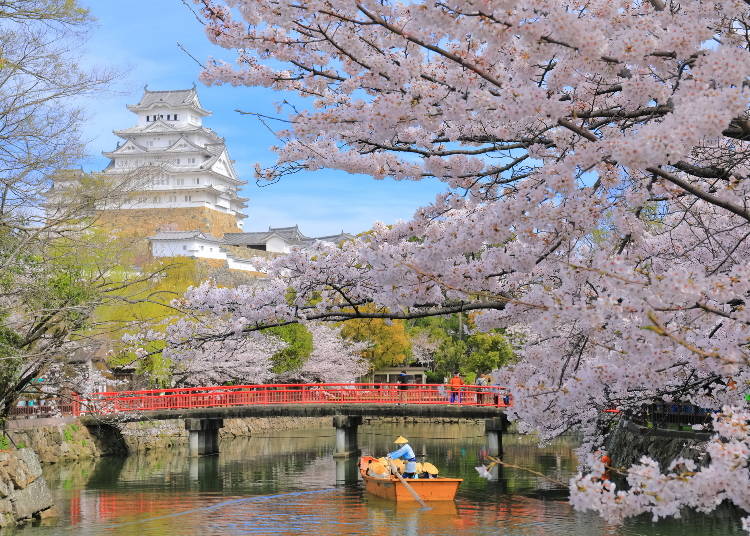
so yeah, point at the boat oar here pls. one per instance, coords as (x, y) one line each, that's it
(414, 494)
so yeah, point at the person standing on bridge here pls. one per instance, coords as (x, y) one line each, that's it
(455, 384)
(405, 452)
(403, 380)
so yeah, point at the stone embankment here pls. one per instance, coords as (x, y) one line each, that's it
(72, 441)
(628, 442)
(24, 493)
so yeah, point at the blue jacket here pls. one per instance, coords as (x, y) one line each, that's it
(405, 452)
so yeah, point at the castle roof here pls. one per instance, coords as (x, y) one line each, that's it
(162, 127)
(184, 235)
(173, 98)
(290, 235)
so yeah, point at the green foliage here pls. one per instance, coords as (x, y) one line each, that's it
(460, 350)
(299, 347)
(147, 305)
(63, 11)
(69, 431)
(451, 356)
(4, 442)
(10, 341)
(487, 351)
(433, 377)
(21, 445)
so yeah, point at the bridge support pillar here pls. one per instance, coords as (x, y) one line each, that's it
(493, 429)
(203, 436)
(346, 435)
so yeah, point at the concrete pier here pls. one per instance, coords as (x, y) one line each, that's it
(346, 435)
(493, 429)
(203, 436)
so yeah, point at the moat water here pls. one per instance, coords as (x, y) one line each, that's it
(289, 483)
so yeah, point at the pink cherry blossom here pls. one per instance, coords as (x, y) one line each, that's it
(595, 157)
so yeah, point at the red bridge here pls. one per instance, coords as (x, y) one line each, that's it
(384, 394)
(204, 408)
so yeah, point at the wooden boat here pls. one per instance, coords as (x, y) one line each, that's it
(429, 489)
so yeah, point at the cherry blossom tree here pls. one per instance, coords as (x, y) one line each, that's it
(240, 359)
(595, 157)
(333, 359)
(197, 358)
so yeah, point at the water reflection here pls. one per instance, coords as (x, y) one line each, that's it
(290, 484)
(347, 471)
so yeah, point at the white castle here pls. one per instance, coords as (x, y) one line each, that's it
(194, 168)
(182, 188)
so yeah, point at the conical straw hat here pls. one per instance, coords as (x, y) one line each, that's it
(427, 467)
(400, 440)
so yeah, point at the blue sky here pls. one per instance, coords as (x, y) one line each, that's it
(139, 38)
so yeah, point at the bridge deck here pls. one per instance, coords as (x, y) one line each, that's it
(295, 400)
(311, 410)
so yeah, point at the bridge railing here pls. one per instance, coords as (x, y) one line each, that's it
(267, 394)
(43, 411)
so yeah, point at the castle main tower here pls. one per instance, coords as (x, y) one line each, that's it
(189, 182)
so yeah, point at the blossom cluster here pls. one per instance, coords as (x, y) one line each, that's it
(662, 494)
(595, 157)
(198, 358)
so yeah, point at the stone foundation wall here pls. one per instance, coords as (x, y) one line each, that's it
(142, 223)
(73, 441)
(24, 493)
(69, 441)
(140, 436)
(628, 442)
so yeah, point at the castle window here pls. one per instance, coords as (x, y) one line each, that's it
(197, 180)
(188, 198)
(175, 117)
(156, 199)
(184, 247)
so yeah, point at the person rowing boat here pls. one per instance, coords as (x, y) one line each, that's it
(405, 452)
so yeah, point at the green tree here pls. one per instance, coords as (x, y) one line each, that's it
(448, 344)
(486, 352)
(147, 305)
(299, 347)
(54, 269)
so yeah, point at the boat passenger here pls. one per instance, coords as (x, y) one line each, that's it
(428, 470)
(407, 453)
(377, 469)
